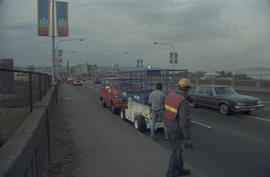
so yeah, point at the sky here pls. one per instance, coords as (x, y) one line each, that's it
(207, 34)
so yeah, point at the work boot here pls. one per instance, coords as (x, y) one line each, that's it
(183, 173)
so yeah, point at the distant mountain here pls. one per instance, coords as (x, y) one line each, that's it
(255, 70)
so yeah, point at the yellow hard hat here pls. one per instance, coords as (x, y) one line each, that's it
(184, 83)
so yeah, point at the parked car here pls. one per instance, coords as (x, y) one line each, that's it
(110, 92)
(225, 99)
(77, 82)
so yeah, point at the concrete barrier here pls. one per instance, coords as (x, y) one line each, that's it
(27, 152)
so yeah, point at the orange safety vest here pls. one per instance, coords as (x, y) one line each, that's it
(172, 102)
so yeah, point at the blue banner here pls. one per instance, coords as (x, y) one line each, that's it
(171, 57)
(43, 17)
(62, 19)
(175, 58)
(60, 53)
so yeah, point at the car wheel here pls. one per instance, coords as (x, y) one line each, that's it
(113, 109)
(123, 114)
(246, 112)
(224, 109)
(194, 104)
(140, 124)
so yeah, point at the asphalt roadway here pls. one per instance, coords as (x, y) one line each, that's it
(225, 146)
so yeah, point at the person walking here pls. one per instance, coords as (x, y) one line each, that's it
(156, 102)
(177, 121)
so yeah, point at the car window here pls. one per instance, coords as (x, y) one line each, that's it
(201, 90)
(103, 83)
(209, 91)
(111, 84)
(107, 83)
(126, 84)
(224, 90)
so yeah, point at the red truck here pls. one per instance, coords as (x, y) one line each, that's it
(110, 91)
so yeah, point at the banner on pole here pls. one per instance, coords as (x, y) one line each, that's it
(43, 17)
(171, 57)
(62, 19)
(139, 63)
(175, 58)
(60, 55)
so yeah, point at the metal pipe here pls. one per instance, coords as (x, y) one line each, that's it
(30, 92)
(53, 44)
(39, 84)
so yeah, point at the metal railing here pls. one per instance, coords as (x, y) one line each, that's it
(22, 88)
(19, 91)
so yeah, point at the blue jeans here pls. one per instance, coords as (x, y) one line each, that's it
(155, 115)
(176, 163)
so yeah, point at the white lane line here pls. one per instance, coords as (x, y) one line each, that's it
(258, 118)
(201, 124)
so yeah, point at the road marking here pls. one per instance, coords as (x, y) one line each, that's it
(204, 125)
(66, 98)
(258, 118)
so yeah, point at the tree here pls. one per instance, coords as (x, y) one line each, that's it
(223, 74)
(229, 74)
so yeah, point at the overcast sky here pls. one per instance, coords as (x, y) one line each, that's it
(207, 34)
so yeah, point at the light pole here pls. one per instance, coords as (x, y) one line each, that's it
(167, 44)
(138, 56)
(53, 45)
(57, 45)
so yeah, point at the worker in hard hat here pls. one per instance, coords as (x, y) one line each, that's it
(177, 121)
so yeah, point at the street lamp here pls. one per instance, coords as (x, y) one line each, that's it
(62, 40)
(128, 53)
(138, 56)
(167, 44)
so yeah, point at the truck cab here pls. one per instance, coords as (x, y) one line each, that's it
(110, 92)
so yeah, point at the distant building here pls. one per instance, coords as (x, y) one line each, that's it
(211, 75)
(30, 68)
(85, 70)
(6, 78)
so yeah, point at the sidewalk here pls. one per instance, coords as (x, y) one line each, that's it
(92, 142)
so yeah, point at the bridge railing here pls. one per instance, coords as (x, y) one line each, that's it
(28, 151)
(19, 91)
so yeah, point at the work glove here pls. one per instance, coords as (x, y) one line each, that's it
(188, 144)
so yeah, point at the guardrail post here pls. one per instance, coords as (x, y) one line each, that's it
(30, 92)
(39, 84)
(45, 84)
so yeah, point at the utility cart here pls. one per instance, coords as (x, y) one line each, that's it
(137, 110)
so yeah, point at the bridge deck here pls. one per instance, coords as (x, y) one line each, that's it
(97, 143)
